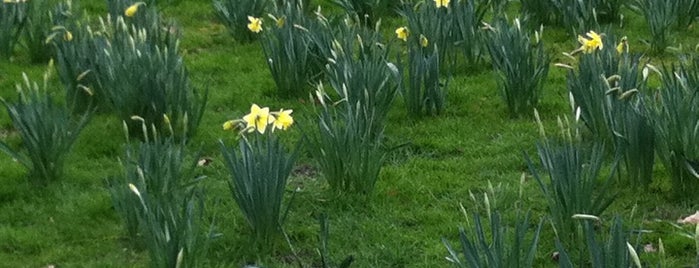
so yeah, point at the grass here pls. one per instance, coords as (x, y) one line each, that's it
(71, 223)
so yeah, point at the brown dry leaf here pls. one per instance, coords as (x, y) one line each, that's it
(649, 248)
(691, 219)
(204, 162)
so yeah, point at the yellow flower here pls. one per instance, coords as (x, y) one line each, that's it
(228, 125)
(402, 33)
(258, 119)
(132, 9)
(68, 36)
(423, 41)
(623, 46)
(589, 45)
(442, 3)
(255, 24)
(284, 119)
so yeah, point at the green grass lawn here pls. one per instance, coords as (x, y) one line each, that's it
(417, 200)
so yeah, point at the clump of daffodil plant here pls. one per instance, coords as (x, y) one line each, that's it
(661, 16)
(348, 145)
(606, 93)
(39, 20)
(521, 65)
(135, 12)
(235, 14)
(423, 92)
(570, 177)
(360, 72)
(160, 200)
(12, 20)
(133, 71)
(675, 117)
(259, 168)
(47, 129)
(436, 21)
(371, 10)
(287, 47)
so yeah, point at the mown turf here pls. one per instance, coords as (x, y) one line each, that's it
(436, 162)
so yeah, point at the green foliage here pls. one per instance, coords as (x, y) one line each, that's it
(591, 89)
(370, 10)
(502, 249)
(521, 66)
(234, 15)
(348, 145)
(73, 224)
(423, 93)
(539, 12)
(606, 92)
(577, 16)
(687, 13)
(12, 20)
(323, 237)
(660, 16)
(131, 71)
(438, 25)
(259, 169)
(360, 72)
(158, 197)
(573, 185)
(635, 137)
(288, 51)
(47, 129)
(675, 118)
(614, 252)
(39, 21)
(468, 19)
(609, 10)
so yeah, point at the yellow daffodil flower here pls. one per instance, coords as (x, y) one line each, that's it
(423, 41)
(623, 46)
(283, 120)
(132, 9)
(258, 119)
(228, 125)
(68, 36)
(402, 33)
(255, 24)
(589, 45)
(442, 3)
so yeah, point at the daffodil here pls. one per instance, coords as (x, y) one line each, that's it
(258, 119)
(423, 41)
(283, 120)
(132, 9)
(442, 3)
(228, 125)
(402, 33)
(589, 45)
(68, 36)
(623, 46)
(255, 24)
